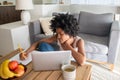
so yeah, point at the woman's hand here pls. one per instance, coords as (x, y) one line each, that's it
(23, 56)
(66, 45)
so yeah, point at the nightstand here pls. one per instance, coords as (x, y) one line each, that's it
(11, 35)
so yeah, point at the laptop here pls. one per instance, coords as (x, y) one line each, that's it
(50, 60)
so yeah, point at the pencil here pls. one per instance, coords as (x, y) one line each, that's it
(19, 47)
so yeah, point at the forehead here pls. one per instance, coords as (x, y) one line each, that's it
(59, 30)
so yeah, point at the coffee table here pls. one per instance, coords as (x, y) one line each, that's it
(82, 73)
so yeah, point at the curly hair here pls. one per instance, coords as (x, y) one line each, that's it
(66, 22)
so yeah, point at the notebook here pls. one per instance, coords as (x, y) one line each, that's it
(24, 62)
(51, 60)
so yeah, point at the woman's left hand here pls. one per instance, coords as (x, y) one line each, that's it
(66, 45)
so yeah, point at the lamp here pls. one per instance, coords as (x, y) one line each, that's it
(24, 5)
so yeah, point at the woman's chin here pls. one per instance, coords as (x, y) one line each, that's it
(61, 41)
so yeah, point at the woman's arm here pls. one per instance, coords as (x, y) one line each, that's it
(34, 46)
(79, 55)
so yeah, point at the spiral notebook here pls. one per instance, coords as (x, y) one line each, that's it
(24, 62)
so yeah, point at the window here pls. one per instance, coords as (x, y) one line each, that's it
(99, 2)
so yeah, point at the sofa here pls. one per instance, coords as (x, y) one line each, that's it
(100, 32)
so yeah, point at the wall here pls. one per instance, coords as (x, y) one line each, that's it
(43, 11)
(37, 1)
(75, 8)
(64, 7)
(1, 1)
(36, 12)
(118, 9)
(50, 1)
(47, 10)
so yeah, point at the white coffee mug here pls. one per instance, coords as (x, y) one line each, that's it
(69, 72)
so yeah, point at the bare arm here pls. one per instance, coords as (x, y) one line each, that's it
(34, 45)
(79, 55)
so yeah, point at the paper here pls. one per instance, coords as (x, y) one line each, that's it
(24, 62)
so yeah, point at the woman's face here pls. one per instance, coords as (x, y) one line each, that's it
(62, 37)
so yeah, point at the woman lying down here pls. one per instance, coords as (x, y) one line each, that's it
(66, 30)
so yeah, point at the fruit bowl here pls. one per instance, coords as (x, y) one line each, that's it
(25, 69)
(17, 76)
(11, 70)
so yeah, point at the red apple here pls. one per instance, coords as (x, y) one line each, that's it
(19, 71)
(13, 65)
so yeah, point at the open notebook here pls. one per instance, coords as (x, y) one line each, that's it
(24, 62)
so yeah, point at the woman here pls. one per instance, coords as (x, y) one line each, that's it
(66, 29)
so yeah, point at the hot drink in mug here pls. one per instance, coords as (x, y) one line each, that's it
(69, 72)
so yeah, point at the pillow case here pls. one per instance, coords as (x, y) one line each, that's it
(97, 24)
(45, 24)
(76, 15)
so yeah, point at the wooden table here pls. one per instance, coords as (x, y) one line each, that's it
(83, 72)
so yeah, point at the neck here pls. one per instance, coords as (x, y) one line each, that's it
(71, 40)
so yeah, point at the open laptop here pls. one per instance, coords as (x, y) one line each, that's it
(50, 60)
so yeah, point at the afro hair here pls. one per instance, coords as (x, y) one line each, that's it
(66, 22)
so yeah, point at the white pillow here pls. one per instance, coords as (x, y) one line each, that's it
(45, 24)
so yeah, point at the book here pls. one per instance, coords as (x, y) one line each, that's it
(24, 62)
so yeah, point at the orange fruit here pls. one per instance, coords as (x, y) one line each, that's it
(21, 66)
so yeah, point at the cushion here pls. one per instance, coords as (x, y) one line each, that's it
(104, 40)
(95, 44)
(95, 48)
(41, 36)
(96, 24)
(45, 24)
(97, 57)
(76, 15)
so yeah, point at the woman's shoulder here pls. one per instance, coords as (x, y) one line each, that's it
(78, 40)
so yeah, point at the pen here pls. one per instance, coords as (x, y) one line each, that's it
(19, 47)
(21, 51)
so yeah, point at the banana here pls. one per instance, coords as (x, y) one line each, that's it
(0, 70)
(6, 69)
(2, 74)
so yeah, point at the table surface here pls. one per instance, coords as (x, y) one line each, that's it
(82, 72)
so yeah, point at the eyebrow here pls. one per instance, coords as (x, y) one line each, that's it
(61, 33)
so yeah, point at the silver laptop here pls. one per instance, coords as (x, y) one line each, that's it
(51, 60)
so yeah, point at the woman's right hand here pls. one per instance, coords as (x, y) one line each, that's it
(23, 56)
